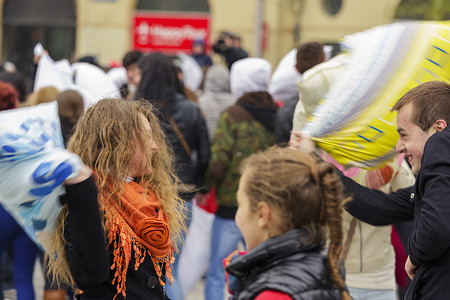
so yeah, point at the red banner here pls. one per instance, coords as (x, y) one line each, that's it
(169, 32)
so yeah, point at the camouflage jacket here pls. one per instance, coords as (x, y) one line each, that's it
(238, 135)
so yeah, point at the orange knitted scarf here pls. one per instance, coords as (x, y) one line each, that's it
(137, 222)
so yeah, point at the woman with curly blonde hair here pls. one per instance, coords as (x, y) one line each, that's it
(287, 203)
(116, 239)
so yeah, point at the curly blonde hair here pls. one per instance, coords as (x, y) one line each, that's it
(103, 138)
(306, 191)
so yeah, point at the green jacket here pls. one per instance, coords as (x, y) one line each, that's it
(238, 135)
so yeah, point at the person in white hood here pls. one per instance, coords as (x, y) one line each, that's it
(243, 128)
(249, 75)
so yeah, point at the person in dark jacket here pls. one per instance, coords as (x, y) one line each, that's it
(286, 202)
(178, 116)
(200, 56)
(422, 119)
(186, 130)
(226, 47)
(119, 227)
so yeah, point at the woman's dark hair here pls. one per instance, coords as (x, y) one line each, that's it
(159, 81)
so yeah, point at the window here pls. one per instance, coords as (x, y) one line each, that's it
(332, 6)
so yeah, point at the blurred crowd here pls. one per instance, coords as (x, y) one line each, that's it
(216, 118)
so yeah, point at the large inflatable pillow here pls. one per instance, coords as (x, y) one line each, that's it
(90, 81)
(33, 166)
(354, 122)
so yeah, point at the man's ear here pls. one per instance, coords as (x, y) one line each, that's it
(439, 125)
(264, 214)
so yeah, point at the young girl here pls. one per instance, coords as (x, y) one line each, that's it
(138, 211)
(287, 199)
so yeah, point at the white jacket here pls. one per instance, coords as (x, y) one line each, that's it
(313, 86)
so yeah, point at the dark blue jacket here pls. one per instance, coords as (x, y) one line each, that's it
(428, 204)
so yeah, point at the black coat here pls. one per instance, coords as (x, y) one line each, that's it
(189, 120)
(428, 204)
(230, 54)
(284, 121)
(88, 259)
(286, 264)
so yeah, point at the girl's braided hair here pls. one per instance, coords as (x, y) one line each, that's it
(306, 191)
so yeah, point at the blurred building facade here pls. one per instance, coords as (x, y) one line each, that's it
(103, 28)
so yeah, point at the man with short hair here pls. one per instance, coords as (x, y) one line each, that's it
(370, 256)
(424, 138)
(308, 55)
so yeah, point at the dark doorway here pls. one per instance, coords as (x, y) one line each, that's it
(28, 22)
(174, 5)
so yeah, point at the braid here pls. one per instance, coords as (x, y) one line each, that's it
(308, 194)
(332, 192)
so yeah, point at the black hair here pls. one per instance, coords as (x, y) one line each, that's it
(159, 81)
(131, 57)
